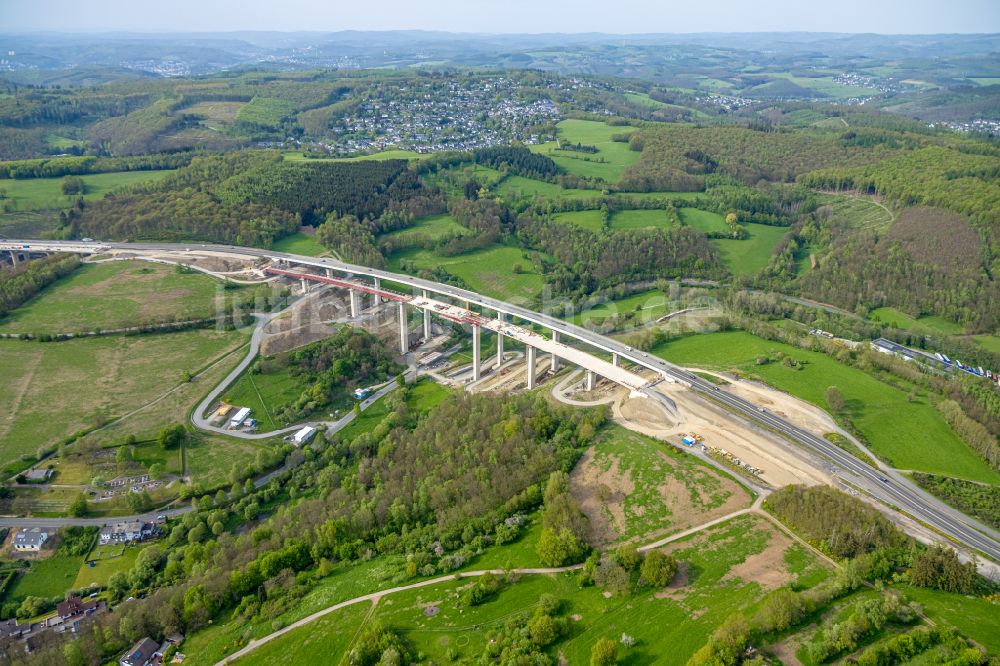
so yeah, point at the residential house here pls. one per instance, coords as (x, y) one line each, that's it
(126, 532)
(141, 654)
(30, 539)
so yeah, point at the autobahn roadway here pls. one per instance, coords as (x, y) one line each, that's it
(887, 486)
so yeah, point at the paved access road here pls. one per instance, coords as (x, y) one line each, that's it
(887, 486)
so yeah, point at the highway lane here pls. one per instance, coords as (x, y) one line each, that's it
(896, 491)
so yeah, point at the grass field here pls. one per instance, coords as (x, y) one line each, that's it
(47, 578)
(702, 220)
(825, 85)
(623, 220)
(108, 560)
(300, 243)
(975, 617)
(746, 257)
(588, 219)
(489, 271)
(655, 490)
(432, 227)
(669, 628)
(742, 257)
(615, 156)
(911, 435)
(264, 394)
(39, 193)
(265, 111)
(989, 342)
(117, 294)
(519, 186)
(113, 374)
(651, 304)
(898, 319)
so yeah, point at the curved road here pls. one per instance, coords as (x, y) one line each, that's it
(886, 486)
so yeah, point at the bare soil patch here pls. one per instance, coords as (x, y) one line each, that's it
(766, 568)
(601, 495)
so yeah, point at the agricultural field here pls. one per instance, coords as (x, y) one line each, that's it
(635, 488)
(927, 324)
(117, 294)
(973, 616)
(212, 458)
(432, 227)
(650, 304)
(300, 243)
(989, 342)
(910, 435)
(107, 377)
(489, 271)
(608, 163)
(40, 193)
(727, 568)
(623, 220)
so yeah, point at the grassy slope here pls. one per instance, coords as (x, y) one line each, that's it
(931, 325)
(116, 294)
(912, 435)
(668, 629)
(80, 376)
(639, 219)
(300, 244)
(488, 271)
(433, 226)
(652, 303)
(47, 578)
(37, 193)
(742, 257)
(617, 156)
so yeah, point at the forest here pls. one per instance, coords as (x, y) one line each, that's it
(19, 283)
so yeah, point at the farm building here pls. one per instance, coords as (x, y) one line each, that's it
(303, 436)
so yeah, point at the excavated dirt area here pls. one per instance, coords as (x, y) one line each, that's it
(799, 412)
(780, 462)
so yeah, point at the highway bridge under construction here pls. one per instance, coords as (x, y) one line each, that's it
(892, 489)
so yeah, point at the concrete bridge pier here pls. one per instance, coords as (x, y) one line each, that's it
(531, 367)
(355, 303)
(499, 342)
(329, 272)
(427, 320)
(15, 257)
(305, 286)
(591, 380)
(378, 285)
(555, 359)
(615, 361)
(475, 353)
(404, 335)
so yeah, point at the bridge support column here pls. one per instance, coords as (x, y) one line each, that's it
(531, 367)
(305, 286)
(427, 321)
(329, 273)
(15, 258)
(378, 285)
(590, 380)
(614, 359)
(555, 359)
(499, 342)
(475, 353)
(404, 335)
(355, 303)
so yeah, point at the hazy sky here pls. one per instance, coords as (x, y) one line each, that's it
(620, 16)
